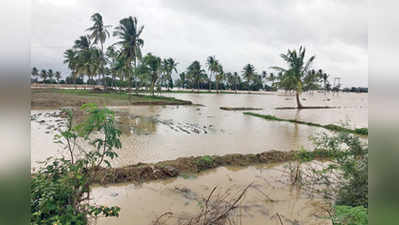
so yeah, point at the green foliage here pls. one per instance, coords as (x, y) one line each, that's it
(349, 163)
(60, 190)
(347, 215)
(333, 127)
(362, 131)
(205, 161)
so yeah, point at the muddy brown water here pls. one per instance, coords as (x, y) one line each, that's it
(156, 133)
(144, 203)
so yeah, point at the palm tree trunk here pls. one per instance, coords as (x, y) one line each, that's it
(209, 82)
(298, 101)
(152, 87)
(102, 66)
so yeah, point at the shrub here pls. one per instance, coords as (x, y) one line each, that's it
(60, 190)
(347, 215)
(204, 162)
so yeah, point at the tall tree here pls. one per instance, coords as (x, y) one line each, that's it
(50, 74)
(71, 59)
(248, 73)
(130, 42)
(58, 76)
(153, 67)
(196, 71)
(219, 76)
(169, 65)
(236, 81)
(182, 78)
(35, 72)
(296, 71)
(213, 65)
(99, 33)
(43, 75)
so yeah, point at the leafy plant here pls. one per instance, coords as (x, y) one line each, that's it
(347, 215)
(60, 190)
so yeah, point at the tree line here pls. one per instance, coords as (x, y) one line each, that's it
(122, 65)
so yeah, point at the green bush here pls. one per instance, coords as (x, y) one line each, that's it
(205, 162)
(60, 189)
(347, 215)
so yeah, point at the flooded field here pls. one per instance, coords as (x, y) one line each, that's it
(268, 196)
(156, 133)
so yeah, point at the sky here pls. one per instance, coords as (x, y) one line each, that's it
(236, 32)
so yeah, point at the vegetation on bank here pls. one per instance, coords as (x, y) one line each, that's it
(343, 178)
(333, 127)
(60, 189)
(77, 97)
(239, 108)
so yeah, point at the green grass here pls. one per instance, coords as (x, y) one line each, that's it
(333, 127)
(112, 95)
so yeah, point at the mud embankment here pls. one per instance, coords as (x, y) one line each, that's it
(142, 172)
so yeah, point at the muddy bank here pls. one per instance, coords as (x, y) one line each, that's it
(189, 165)
(53, 98)
(238, 108)
(308, 107)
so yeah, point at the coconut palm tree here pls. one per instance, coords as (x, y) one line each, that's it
(43, 75)
(58, 76)
(219, 76)
(130, 43)
(236, 81)
(169, 65)
(248, 73)
(50, 74)
(272, 78)
(35, 72)
(213, 65)
(152, 66)
(296, 71)
(71, 58)
(182, 78)
(196, 71)
(99, 33)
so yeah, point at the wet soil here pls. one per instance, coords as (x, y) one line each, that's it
(142, 172)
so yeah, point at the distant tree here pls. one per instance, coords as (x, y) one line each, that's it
(248, 73)
(196, 71)
(71, 59)
(213, 67)
(152, 67)
(35, 73)
(50, 74)
(219, 76)
(130, 42)
(43, 75)
(169, 65)
(58, 76)
(293, 76)
(236, 81)
(182, 79)
(99, 33)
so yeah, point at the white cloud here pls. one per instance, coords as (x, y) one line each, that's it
(236, 32)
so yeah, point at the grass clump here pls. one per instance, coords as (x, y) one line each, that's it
(333, 127)
(205, 162)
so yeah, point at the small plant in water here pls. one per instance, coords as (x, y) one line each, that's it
(60, 190)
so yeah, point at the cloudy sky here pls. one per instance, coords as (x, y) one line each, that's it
(236, 32)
